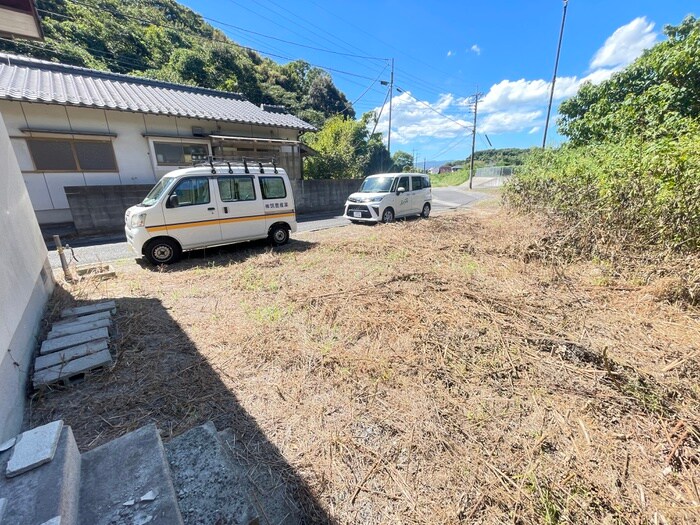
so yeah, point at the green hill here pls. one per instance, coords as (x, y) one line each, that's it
(164, 40)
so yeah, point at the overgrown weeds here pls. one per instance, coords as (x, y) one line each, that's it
(630, 196)
(418, 372)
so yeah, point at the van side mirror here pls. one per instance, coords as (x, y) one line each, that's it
(173, 201)
(400, 190)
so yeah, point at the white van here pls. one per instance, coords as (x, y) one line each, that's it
(387, 196)
(211, 205)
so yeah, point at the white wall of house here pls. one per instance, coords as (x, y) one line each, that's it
(25, 285)
(133, 137)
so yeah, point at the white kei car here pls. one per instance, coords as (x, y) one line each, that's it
(387, 196)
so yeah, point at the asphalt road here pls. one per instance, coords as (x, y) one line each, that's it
(112, 248)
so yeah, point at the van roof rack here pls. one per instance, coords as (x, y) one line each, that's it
(230, 162)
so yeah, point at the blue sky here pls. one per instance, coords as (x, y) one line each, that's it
(444, 51)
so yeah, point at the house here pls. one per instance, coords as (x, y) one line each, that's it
(72, 126)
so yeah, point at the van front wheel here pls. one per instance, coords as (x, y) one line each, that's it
(279, 235)
(162, 251)
(388, 215)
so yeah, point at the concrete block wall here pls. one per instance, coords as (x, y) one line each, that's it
(100, 209)
(323, 195)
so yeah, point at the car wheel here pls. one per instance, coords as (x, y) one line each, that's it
(388, 215)
(279, 235)
(162, 251)
(426, 210)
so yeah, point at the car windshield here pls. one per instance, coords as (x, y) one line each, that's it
(157, 191)
(377, 185)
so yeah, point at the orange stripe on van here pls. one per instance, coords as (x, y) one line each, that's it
(213, 222)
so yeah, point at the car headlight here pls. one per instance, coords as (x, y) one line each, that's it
(138, 220)
(374, 199)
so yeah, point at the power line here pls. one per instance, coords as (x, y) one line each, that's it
(431, 108)
(227, 42)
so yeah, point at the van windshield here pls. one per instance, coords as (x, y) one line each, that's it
(158, 190)
(377, 185)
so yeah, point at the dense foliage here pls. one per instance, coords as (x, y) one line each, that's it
(630, 175)
(656, 96)
(346, 150)
(498, 157)
(164, 40)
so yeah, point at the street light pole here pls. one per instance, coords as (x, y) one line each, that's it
(554, 78)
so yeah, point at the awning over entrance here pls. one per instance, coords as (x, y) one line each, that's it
(305, 150)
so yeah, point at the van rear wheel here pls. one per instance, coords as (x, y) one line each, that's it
(426, 211)
(279, 235)
(162, 251)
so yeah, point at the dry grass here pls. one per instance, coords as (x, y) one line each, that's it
(436, 371)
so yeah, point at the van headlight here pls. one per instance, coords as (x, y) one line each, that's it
(137, 221)
(375, 199)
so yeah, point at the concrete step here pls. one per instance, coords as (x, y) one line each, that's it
(267, 486)
(210, 489)
(127, 481)
(60, 343)
(107, 306)
(45, 492)
(84, 318)
(77, 327)
(74, 352)
(71, 371)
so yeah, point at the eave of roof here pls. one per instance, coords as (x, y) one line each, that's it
(32, 80)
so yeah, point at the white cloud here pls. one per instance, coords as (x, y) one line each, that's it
(412, 119)
(509, 121)
(512, 105)
(625, 44)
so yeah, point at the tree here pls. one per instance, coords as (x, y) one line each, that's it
(165, 40)
(657, 95)
(402, 161)
(345, 150)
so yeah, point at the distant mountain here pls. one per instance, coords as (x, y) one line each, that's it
(164, 40)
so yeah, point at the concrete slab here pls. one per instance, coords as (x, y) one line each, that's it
(209, 489)
(76, 328)
(269, 486)
(60, 343)
(84, 318)
(33, 448)
(127, 469)
(67, 372)
(110, 306)
(46, 492)
(74, 352)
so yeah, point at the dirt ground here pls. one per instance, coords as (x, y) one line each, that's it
(447, 370)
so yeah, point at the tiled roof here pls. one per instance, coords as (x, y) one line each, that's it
(32, 80)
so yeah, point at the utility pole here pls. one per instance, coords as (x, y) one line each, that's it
(554, 78)
(391, 97)
(471, 163)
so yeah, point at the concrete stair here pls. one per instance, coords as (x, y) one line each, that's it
(46, 491)
(128, 481)
(202, 477)
(124, 482)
